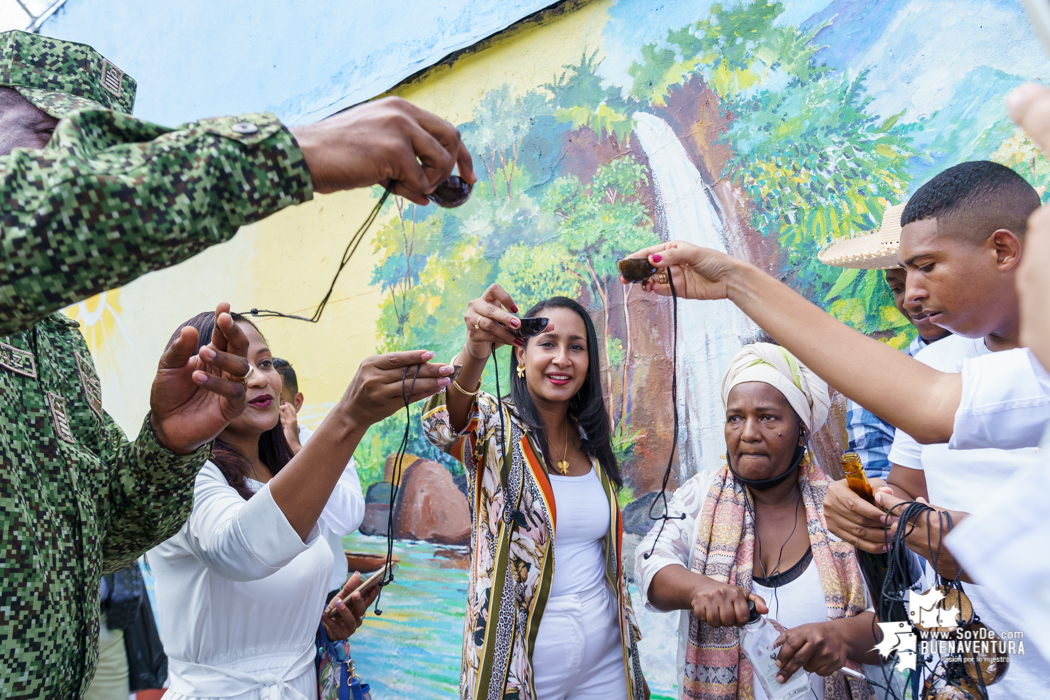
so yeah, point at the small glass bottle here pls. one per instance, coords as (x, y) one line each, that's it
(875, 567)
(856, 479)
(757, 639)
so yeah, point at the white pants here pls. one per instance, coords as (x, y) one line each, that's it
(578, 654)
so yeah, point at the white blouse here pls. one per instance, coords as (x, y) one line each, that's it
(342, 515)
(240, 596)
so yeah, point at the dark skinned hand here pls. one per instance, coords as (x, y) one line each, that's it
(722, 605)
(387, 142)
(853, 519)
(818, 648)
(348, 618)
(193, 399)
(376, 390)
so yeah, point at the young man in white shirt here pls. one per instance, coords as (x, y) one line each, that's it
(961, 245)
(345, 510)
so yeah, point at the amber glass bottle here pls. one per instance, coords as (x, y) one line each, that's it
(873, 566)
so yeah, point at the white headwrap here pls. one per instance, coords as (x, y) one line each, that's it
(771, 364)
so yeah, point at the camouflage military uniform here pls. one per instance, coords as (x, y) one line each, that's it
(110, 198)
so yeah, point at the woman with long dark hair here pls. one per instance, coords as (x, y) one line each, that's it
(548, 611)
(241, 588)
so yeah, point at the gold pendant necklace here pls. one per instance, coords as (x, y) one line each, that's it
(563, 465)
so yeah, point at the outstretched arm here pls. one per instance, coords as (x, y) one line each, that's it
(111, 197)
(908, 394)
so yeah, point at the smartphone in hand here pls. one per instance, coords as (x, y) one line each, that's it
(363, 588)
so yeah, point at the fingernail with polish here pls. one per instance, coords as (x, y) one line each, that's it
(447, 369)
(519, 342)
(513, 309)
(515, 322)
(657, 257)
(428, 355)
(444, 381)
(339, 604)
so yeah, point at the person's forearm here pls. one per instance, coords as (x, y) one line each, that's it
(672, 588)
(927, 543)
(459, 403)
(899, 389)
(302, 488)
(856, 634)
(171, 193)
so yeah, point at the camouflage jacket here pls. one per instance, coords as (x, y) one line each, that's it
(109, 199)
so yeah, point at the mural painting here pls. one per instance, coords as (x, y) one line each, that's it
(761, 128)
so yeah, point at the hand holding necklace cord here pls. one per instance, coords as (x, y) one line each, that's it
(925, 535)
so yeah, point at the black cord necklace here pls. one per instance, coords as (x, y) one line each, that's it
(348, 253)
(665, 516)
(395, 481)
(453, 192)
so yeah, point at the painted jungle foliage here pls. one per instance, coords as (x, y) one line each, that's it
(772, 124)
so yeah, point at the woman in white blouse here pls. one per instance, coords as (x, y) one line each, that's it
(241, 588)
(755, 530)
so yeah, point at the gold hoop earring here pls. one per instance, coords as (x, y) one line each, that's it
(521, 371)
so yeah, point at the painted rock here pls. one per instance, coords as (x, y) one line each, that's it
(430, 506)
(376, 519)
(636, 514)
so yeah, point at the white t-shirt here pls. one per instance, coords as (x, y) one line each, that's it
(1006, 548)
(1005, 401)
(796, 603)
(583, 521)
(966, 480)
(342, 515)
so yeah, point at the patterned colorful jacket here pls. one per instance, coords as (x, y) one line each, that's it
(512, 556)
(109, 199)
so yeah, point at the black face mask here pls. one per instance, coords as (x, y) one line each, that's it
(763, 484)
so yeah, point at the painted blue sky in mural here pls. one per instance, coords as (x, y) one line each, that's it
(926, 59)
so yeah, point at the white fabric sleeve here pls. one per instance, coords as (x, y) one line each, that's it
(675, 545)
(345, 510)
(1004, 548)
(239, 540)
(906, 451)
(1005, 402)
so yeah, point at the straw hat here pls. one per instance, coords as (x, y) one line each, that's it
(868, 251)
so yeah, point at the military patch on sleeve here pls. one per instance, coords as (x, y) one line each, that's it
(17, 360)
(92, 387)
(112, 78)
(61, 419)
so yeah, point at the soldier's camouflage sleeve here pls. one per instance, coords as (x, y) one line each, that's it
(112, 197)
(150, 493)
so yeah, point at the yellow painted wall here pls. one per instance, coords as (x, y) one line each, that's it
(287, 261)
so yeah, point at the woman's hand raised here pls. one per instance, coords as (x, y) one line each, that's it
(383, 382)
(483, 319)
(697, 273)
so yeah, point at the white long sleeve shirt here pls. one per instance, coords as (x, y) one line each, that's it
(342, 515)
(240, 596)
